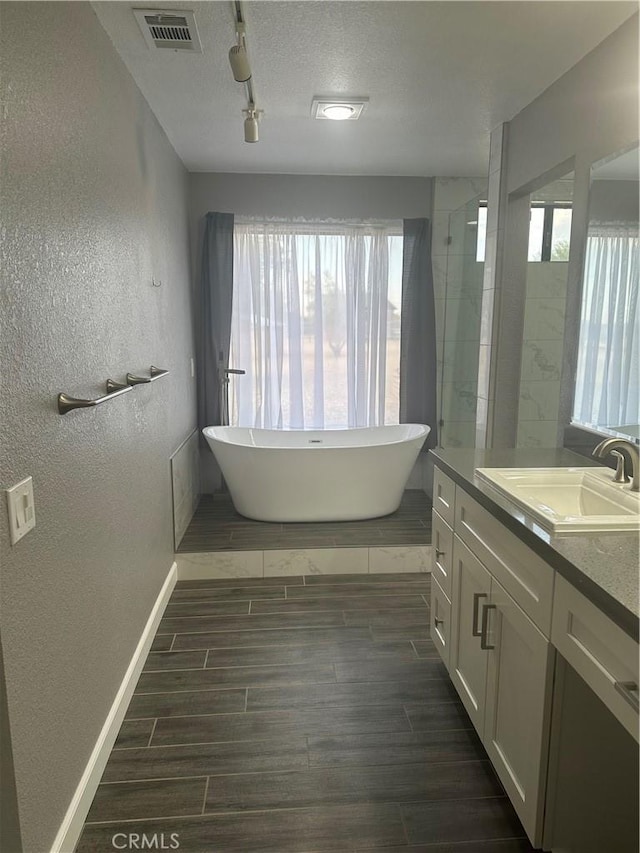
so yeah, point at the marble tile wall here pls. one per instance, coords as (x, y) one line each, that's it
(185, 481)
(304, 561)
(496, 219)
(542, 352)
(458, 294)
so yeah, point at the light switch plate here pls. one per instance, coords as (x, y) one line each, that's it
(21, 508)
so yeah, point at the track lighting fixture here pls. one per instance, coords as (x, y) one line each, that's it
(239, 61)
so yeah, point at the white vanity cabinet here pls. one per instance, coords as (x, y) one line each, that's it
(549, 681)
(501, 665)
(500, 662)
(600, 652)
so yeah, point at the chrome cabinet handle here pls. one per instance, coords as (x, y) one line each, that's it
(475, 631)
(629, 692)
(437, 621)
(484, 643)
(439, 553)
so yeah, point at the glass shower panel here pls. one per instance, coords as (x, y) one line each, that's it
(459, 330)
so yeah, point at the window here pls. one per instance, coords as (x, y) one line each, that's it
(316, 324)
(607, 390)
(549, 231)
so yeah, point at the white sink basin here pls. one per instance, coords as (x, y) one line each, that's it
(568, 499)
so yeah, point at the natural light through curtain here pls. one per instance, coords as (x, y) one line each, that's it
(316, 324)
(608, 374)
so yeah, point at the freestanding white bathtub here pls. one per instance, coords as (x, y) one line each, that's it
(316, 475)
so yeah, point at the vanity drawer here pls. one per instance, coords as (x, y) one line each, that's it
(441, 552)
(524, 575)
(444, 492)
(599, 651)
(440, 627)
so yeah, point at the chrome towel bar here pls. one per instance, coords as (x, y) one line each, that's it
(114, 389)
(154, 373)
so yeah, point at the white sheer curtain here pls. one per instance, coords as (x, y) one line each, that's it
(608, 373)
(316, 323)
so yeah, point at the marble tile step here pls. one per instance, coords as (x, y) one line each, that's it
(304, 561)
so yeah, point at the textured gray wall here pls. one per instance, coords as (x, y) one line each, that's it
(320, 196)
(94, 201)
(312, 196)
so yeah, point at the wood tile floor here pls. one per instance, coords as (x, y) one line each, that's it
(216, 526)
(299, 715)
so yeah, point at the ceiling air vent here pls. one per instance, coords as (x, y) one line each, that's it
(164, 30)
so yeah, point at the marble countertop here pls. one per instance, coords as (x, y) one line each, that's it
(603, 566)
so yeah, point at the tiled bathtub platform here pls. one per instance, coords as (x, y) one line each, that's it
(221, 543)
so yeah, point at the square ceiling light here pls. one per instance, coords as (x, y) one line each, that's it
(338, 109)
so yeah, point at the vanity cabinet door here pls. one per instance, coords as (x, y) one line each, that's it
(442, 552)
(440, 628)
(517, 709)
(471, 587)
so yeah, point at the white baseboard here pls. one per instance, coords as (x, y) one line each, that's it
(71, 827)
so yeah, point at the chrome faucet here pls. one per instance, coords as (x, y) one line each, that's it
(611, 445)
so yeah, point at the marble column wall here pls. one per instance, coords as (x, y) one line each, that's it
(542, 354)
(458, 294)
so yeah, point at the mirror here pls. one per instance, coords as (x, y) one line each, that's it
(607, 386)
(550, 209)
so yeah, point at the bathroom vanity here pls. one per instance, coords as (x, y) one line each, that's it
(539, 633)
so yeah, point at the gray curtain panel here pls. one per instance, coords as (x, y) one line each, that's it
(214, 322)
(418, 331)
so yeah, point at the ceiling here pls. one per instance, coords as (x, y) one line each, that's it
(624, 167)
(439, 75)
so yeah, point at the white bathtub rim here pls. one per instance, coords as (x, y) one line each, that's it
(228, 435)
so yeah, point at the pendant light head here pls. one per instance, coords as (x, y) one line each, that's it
(239, 62)
(251, 124)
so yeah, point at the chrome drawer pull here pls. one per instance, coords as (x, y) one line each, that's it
(475, 631)
(484, 643)
(629, 691)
